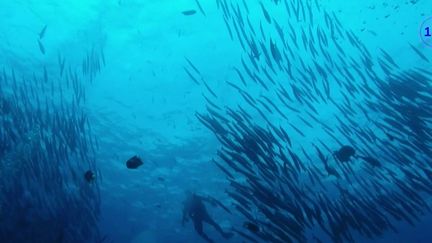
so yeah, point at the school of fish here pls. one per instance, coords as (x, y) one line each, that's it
(325, 134)
(46, 147)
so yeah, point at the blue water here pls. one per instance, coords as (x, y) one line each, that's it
(139, 101)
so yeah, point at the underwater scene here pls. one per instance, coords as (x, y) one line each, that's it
(138, 121)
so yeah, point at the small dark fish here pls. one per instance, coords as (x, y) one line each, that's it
(266, 14)
(134, 162)
(389, 58)
(161, 178)
(391, 137)
(332, 171)
(191, 76)
(419, 53)
(41, 47)
(193, 66)
(372, 32)
(251, 227)
(200, 7)
(42, 33)
(372, 161)
(89, 176)
(345, 153)
(216, 202)
(189, 12)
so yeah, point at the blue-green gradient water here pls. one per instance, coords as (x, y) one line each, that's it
(129, 59)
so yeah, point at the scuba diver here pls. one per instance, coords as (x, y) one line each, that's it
(195, 209)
